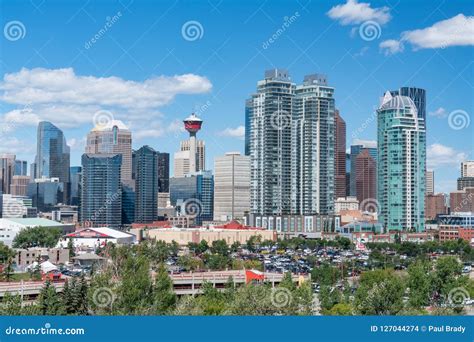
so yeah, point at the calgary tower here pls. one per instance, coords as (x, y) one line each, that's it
(192, 124)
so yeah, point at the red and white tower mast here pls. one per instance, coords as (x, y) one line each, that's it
(192, 124)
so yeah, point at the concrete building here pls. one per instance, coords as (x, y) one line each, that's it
(429, 182)
(10, 227)
(339, 156)
(401, 164)
(164, 172)
(465, 182)
(181, 165)
(19, 185)
(26, 257)
(313, 148)
(366, 180)
(371, 147)
(231, 186)
(435, 205)
(16, 207)
(462, 200)
(7, 170)
(183, 236)
(467, 168)
(346, 203)
(113, 137)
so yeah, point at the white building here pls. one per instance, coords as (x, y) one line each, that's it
(181, 162)
(429, 182)
(467, 168)
(346, 203)
(15, 206)
(91, 238)
(10, 227)
(231, 186)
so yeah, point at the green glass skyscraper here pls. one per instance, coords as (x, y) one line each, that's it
(401, 164)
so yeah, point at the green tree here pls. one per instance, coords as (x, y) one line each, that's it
(163, 294)
(420, 284)
(220, 247)
(70, 246)
(49, 302)
(37, 237)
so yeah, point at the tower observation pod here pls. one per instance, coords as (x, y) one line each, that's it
(192, 124)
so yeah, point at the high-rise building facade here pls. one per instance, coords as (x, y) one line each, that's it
(313, 147)
(366, 180)
(231, 186)
(290, 138)
(354, 152)
(7, 170)
(401, 164)
(19, 185)
(76, 175)
(467, 168)
(146, 185)
(193, 196)
(429, 182)
(339, 156)
(435, 205)
(21, 167)
(53, 156)
(269, 112)
(182, 158)
(163, 172)
(46, 193)
(418, 96)
(101, 193)
(113, 137)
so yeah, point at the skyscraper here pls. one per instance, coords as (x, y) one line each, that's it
(366, 180)
(146, 185)
(163, 172)
(193, 195)
(112, 138)
(401, 163)
(467, 168)
(19, 185)
(429, 182)
(7, 170)
(182, 158)
(339, 157)
(231, 186)
(313, 148)
(269, 111)
(76, 173)
(21, 167)
(53, 153)
(418, 96)
(46, 193)
(355, 150)
(101, 196)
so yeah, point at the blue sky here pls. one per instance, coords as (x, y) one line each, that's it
(144, 68)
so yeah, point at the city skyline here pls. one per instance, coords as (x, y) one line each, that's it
(214, 82)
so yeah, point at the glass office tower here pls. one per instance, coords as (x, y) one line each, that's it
(146, 185)
(101, 195)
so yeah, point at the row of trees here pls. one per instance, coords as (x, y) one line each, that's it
(439, 285)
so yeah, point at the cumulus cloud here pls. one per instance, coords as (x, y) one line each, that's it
(353, 12)
(365, 143)
(440, 113)
(455, 31)
(238, 132)
(70, 100)
(391, 46)
(438, 155)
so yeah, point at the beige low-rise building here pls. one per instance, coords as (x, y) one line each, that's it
(183, 236)
(27, 256)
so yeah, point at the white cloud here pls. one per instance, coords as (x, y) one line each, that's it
(70, 100)
(353, 12)
(365, 143)
(438, 155)
(15, 146)
(391, 46)
(455, 31)
(440, 113)
(238, 132)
